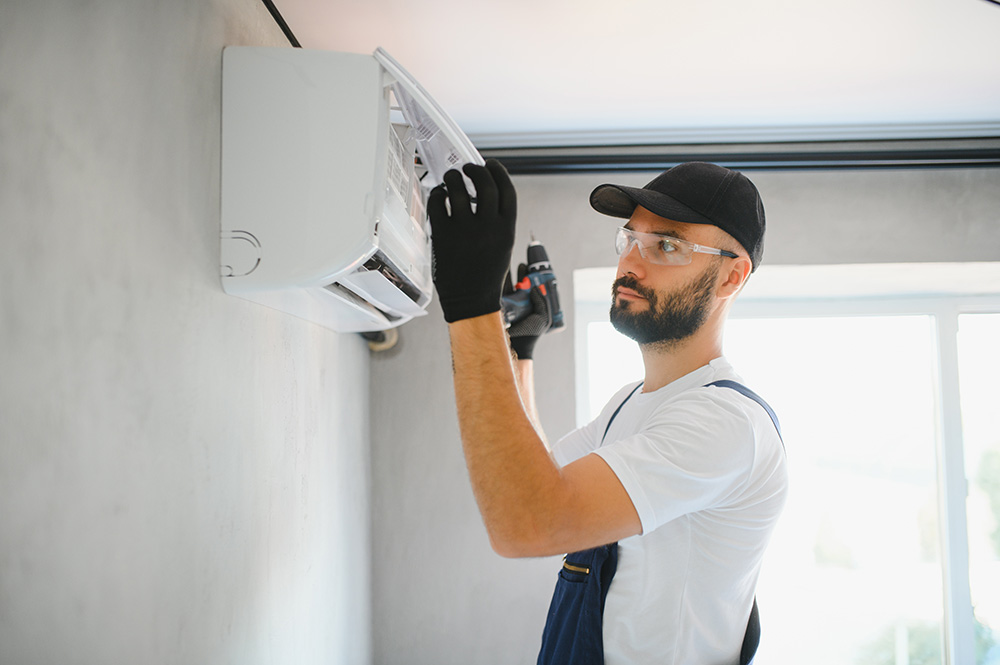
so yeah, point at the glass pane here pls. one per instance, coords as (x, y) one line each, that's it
(612, 361)
(979, 369)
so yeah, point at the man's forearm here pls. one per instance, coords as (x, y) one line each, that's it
(513, 477)
(525, 370)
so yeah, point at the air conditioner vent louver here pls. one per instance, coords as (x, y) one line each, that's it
(380, 264)
(358, 301)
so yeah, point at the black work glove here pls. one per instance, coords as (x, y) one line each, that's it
(524, 333)
(472, 250)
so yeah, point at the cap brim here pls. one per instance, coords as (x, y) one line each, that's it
(620, 201)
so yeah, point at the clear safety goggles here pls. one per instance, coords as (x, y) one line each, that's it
(661, 249)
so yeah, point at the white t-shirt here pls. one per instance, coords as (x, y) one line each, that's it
(705, 470)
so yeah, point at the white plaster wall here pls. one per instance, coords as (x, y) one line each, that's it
(440, 594)
(183, 474)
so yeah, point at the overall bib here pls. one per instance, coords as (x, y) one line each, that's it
(573, 632)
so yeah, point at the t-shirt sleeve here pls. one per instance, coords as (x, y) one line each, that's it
(586, 439)
(694, 453)
(577, 443)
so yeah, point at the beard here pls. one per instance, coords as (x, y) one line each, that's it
(670, 317)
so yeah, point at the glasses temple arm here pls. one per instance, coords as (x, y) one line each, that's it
(717, 252)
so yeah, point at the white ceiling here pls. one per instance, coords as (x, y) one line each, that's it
(562, 72)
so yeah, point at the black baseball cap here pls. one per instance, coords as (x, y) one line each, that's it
(696, 193)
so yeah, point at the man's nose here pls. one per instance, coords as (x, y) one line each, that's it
(630, 262)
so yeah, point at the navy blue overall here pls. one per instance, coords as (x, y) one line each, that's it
(573, 632)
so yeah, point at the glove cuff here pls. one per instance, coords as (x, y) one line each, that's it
(465, 308)
(524, 347)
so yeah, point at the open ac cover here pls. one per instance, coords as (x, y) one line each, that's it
(327, 160)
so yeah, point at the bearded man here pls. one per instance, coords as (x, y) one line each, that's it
(667, 500)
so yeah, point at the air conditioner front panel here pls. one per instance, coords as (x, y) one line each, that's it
(440, 142)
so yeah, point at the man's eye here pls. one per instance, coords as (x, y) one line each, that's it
(666, 246)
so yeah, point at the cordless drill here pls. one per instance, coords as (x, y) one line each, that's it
(517, 305)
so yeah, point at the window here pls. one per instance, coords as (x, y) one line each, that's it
(871, 563)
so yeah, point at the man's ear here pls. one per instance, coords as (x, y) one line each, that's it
(735, 276)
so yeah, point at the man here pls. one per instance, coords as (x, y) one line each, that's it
(667, 500)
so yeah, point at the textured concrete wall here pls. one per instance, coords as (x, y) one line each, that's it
(183, 474)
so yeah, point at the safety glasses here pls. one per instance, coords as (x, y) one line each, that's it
(661, 249)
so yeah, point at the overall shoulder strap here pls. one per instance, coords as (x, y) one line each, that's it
(615, 414)
(740, 388)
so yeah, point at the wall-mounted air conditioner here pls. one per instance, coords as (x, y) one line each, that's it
(327, 160)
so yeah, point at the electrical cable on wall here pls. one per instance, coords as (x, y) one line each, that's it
(280, 20)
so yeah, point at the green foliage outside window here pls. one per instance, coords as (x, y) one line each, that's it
(988, 478)
(923, 641)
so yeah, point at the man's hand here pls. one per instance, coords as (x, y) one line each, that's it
(472, 249)
(525, 333)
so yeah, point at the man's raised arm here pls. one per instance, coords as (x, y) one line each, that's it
(529, 505)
